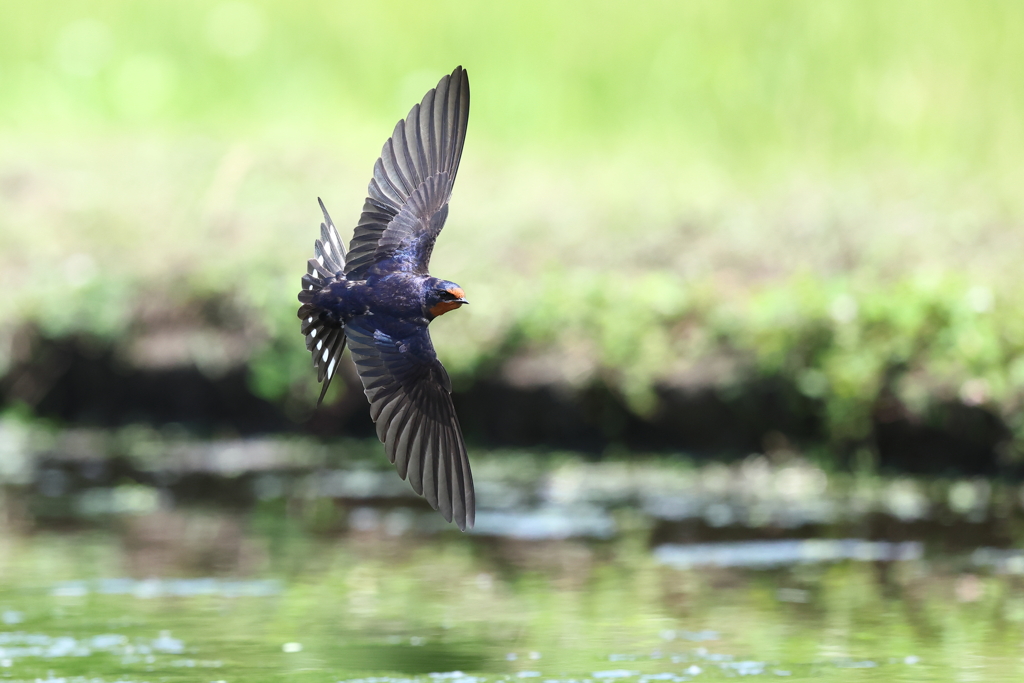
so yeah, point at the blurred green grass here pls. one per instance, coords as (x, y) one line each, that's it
(744, 85)
(823, 190)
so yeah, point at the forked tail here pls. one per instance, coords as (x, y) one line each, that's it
(325, 337)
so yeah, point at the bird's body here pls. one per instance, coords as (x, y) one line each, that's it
(378, 298)
(400, 295)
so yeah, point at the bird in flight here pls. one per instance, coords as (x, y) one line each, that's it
(379, 299)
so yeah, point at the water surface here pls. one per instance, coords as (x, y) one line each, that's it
(622, 571)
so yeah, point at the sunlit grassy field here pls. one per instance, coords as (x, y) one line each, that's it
(827, 191)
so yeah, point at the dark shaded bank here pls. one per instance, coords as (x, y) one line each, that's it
(79, 381)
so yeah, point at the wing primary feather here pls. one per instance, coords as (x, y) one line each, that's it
(415, 174)
(380, 411)
(428, 124)
(417, 466)
(437, 466)
(379, 200)
(460, 137)
(399, 428)
(444, 501)
(384, 182)
(451, 457)
(393, 165)
(469, 492)
(427, 465)
(395, 429)
(449, 132)
(444, 492)
(409, 467)
(459, 468)
(443, 140)
(423, 152)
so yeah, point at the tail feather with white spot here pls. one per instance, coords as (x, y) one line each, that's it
(325, 338)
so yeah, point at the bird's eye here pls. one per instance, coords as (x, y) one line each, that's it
(445, 294)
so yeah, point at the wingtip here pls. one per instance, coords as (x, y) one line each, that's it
(327, 216)
(323, 392)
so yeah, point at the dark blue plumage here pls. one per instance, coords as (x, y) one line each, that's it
(378, 298)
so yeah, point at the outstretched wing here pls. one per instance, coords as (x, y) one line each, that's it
(410, 400)
(407, 200)
(325, 338)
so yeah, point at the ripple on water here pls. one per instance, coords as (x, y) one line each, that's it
(615, 673)
(19, 644)
(551, 522)
(727, 664)
(158, 588)
(756, 554)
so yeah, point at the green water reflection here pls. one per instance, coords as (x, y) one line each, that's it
(637, 570)
(278, 603)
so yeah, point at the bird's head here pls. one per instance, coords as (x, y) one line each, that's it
(442, 296)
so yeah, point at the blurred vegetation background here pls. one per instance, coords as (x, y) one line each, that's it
(654, 197)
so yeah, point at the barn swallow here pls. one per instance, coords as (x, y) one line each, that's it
(379, 299)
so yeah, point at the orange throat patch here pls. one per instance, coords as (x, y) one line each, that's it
(443, 307)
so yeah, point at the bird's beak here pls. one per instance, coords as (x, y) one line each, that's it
(461, 301)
